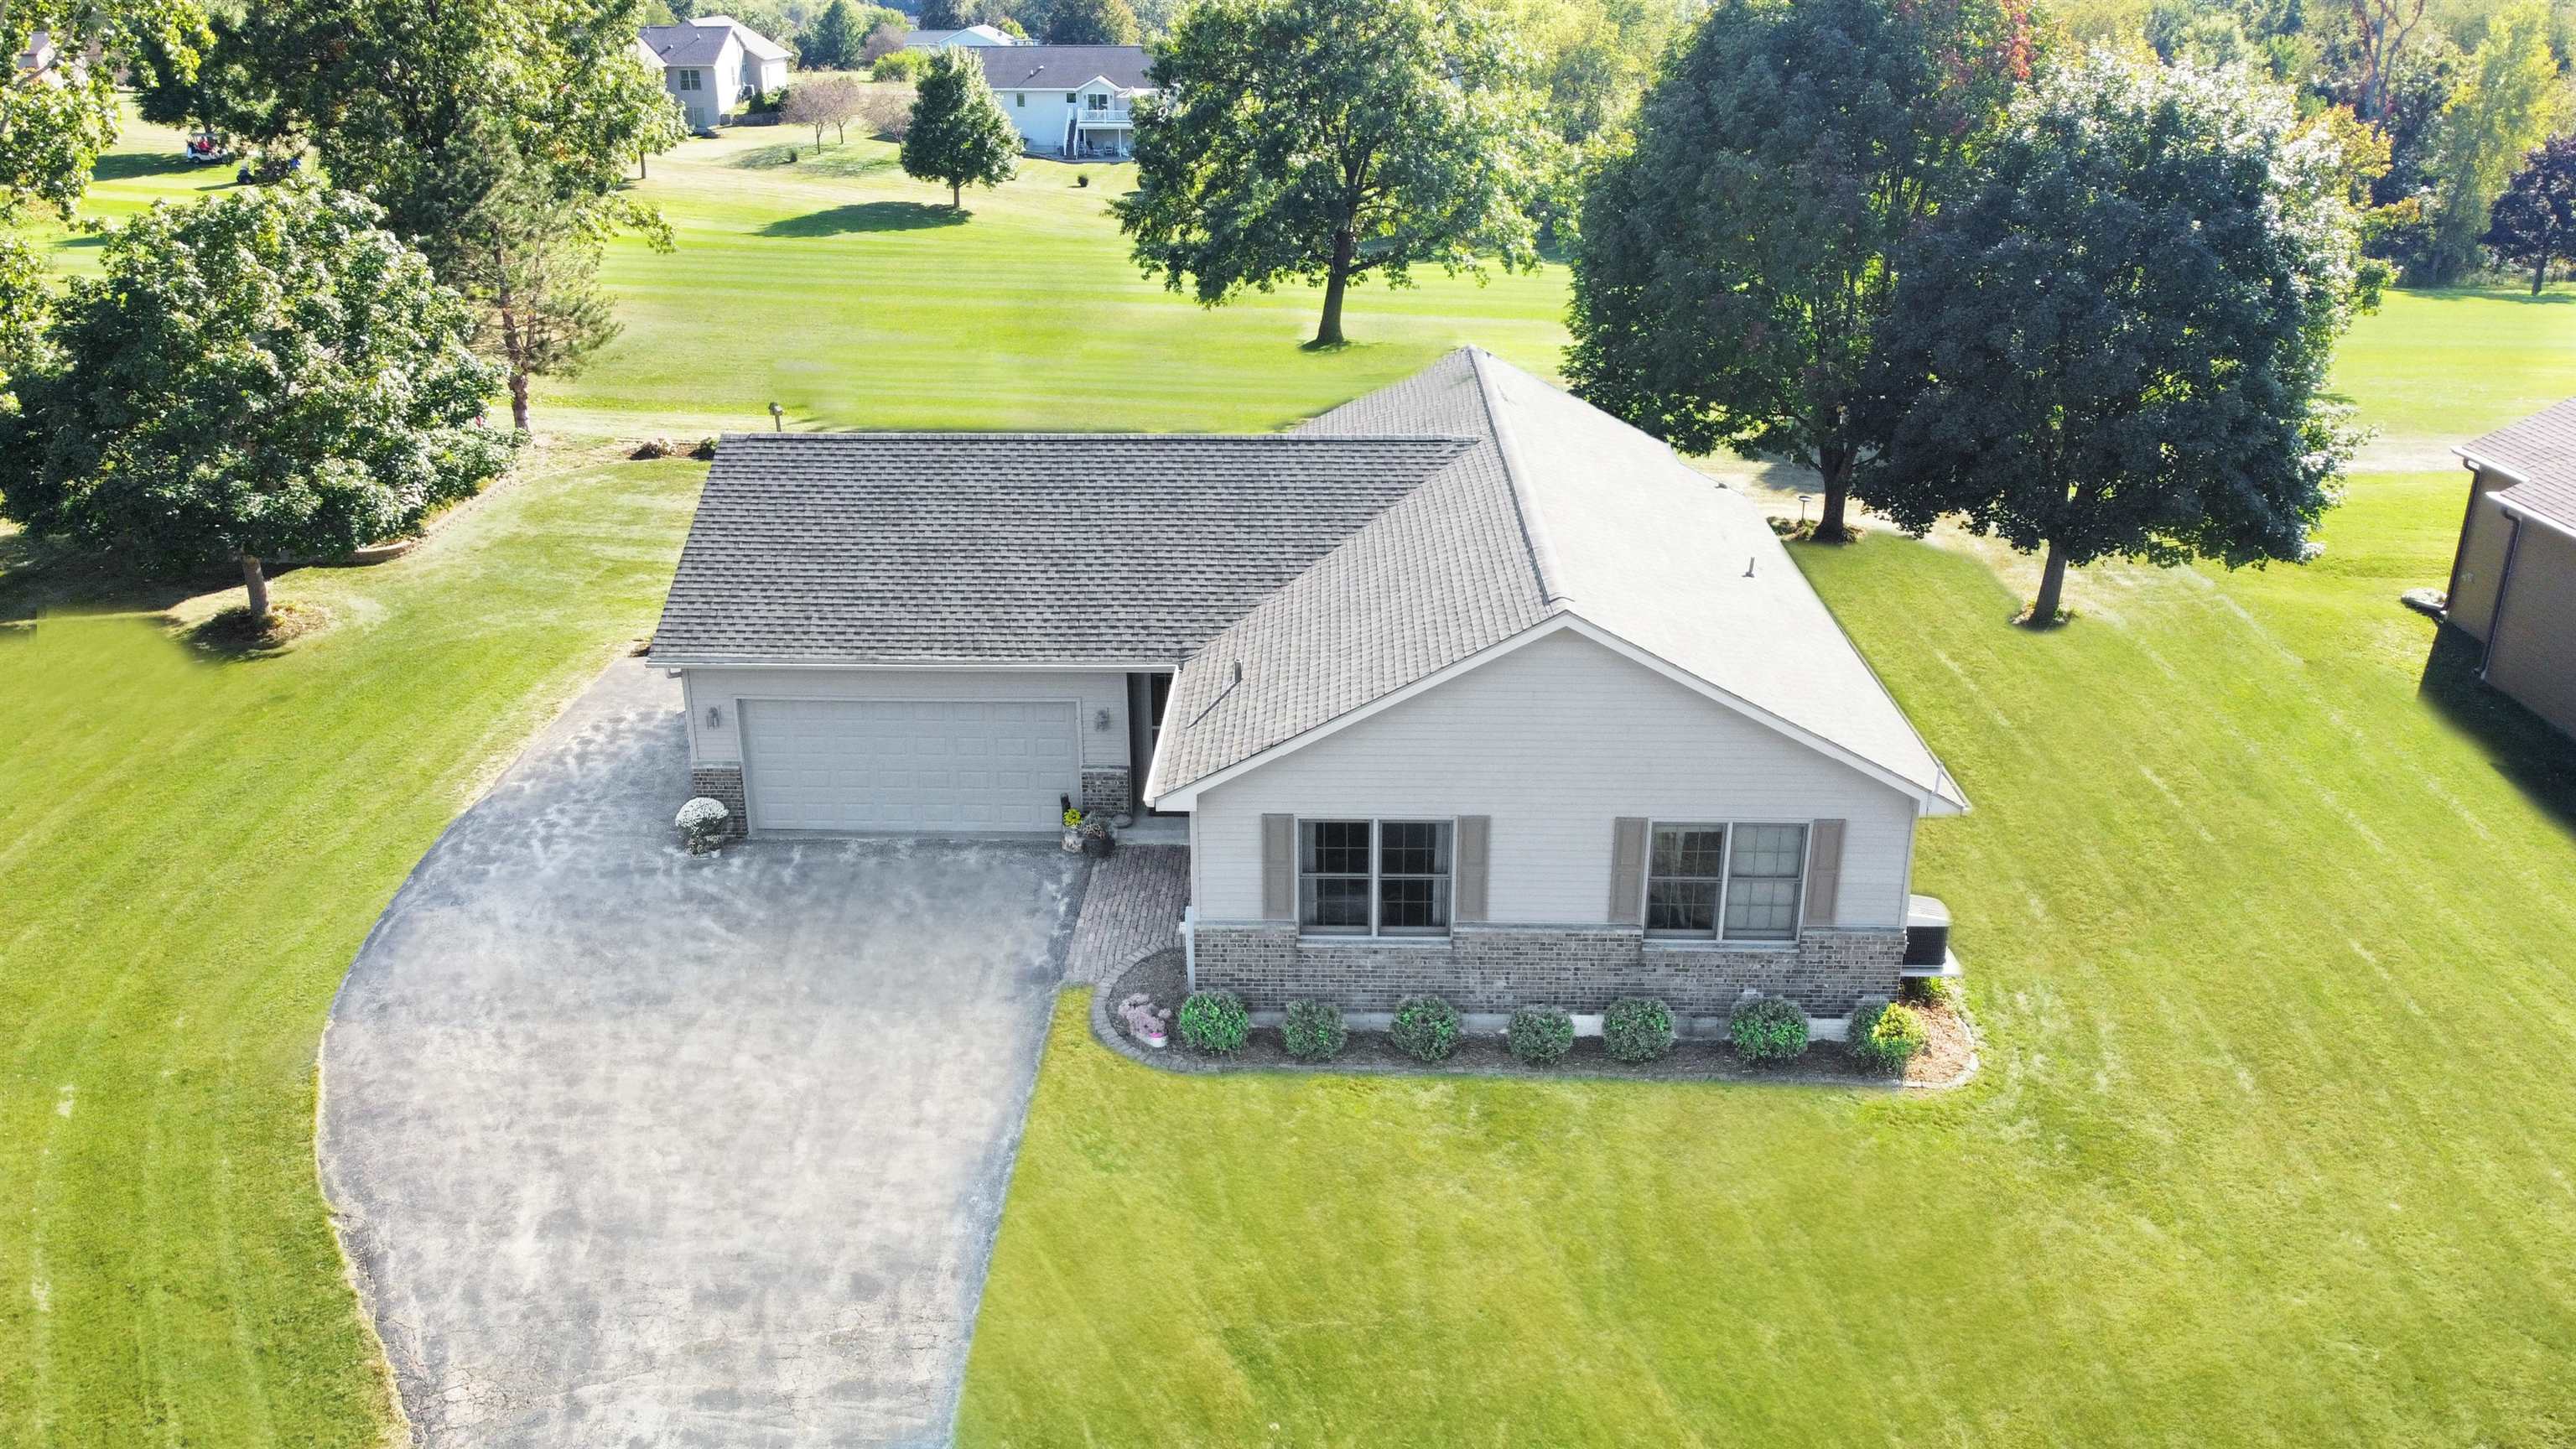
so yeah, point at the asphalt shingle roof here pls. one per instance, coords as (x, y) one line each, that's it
(1064, 67)
(2540, 450)
(1556, 508)
(686, 44)
(1023, 548)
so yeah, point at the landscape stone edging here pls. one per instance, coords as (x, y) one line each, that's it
(1181, 1061)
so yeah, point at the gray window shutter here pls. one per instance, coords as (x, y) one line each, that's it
(1467, 879)
(1278, 867)
(1628, 871)
(1824, 870)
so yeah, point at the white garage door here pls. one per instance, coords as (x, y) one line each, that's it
(951, 765)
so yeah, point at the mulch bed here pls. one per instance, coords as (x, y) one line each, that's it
(234, 632)
(1949, 1061)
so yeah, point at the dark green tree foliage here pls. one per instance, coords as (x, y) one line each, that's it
(1091, 22)
(2533, 225)
(1320, 141)
(262, 375)
(2117, 344)
(954, 14)
(834, 41)
(223, 92)
(54, 126)
(1733, 264)
(959, 136)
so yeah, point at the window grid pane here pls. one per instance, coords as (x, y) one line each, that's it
(1333, 875)
(1682, 878)
(1413, 877)
(1763, 883)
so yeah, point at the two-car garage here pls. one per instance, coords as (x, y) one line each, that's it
(923, 766)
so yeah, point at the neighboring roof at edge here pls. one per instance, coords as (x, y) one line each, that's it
(1065, 67)
(752, 40)
(1558, 509)
(687, 43)
(2540, 452)
(854, 548)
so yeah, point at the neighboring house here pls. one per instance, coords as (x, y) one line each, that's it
(41, 59)
(972, 35)
(713, 64)
(2513, 581)
(1464, 687)
(1071, 100)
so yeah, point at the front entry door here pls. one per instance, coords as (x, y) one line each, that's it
(1147, 697)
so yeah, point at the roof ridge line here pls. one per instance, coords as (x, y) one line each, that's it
(1524, 506)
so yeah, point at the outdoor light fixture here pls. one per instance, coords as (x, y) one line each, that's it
(777, 418)
(715, 714)
(1100, 721)
(1802, 508)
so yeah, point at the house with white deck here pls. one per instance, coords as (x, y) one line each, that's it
(1074, 101)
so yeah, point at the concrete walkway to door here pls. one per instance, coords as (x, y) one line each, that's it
(630, 1148)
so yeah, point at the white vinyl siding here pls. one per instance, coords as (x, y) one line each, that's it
(1554, 742)
(718, 741)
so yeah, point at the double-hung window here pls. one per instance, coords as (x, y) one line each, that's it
(1731, 882)
(1373, 877)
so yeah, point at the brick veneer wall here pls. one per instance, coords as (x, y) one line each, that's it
(724, 783)
(1581, 969)
(1106, 790)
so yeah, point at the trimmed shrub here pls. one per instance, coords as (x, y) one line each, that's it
(1425, 1028)
(1215, 1022)
(1637, 1029)
(1768, 1029)
(1314, 1031)
(703, 824)
(900, 65)
(1540, 1036)
(1886, 1035)
(705, 451)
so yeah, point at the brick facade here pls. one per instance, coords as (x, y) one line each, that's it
(1582, 969)
(722, 783)
(1106, 791)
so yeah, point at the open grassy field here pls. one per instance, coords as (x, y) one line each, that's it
(2270, 954)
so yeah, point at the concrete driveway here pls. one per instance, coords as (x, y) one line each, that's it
(630, 1148)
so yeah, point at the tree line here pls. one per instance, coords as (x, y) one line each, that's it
(2082, 297)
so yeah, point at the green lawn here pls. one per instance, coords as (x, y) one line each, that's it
(2270, 1145)
(2271, 959)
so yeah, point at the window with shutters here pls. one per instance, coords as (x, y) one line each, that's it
(1374, 877)
(1725, 881)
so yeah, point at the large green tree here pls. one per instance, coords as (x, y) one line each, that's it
(1318, 141)
(959, 136)
(1092, 22)
(834, 41)
(262, 375)
(55, 124)
(481, 124)
(2116, 345)
(2533, 224)
(1734, 265)
(2505, 104)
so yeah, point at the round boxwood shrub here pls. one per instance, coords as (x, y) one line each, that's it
(1540, 1036)
(1637, 1029)
(1425, 1028)
(1886, 1035)
(1215, 1022)
(1314, 1031)
(1768, 1029)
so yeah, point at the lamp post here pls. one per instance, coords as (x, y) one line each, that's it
(778, 419)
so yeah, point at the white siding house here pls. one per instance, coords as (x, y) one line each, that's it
(1071, 100)
(712, 65)
(1464, 687)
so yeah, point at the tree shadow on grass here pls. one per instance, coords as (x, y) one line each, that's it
(865, 216)
(127, 165)
(2523, 748)
(41, 576)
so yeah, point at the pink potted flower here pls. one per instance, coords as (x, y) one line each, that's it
(1145, 1023)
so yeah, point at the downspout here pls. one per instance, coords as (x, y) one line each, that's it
(2504, 585)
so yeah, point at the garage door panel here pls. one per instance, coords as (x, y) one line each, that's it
(971, 765)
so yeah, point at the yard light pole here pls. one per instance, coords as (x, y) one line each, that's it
(1802, 501)
(777, 418)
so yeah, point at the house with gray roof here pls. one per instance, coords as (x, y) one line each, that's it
(1463, 687)
(712, 64)
(2513, 578)
(1073, 101)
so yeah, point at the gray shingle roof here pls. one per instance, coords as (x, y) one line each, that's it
(686, 44)
(2540, 450)
(966, 547)
(1556, 509)
(1063, 67)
